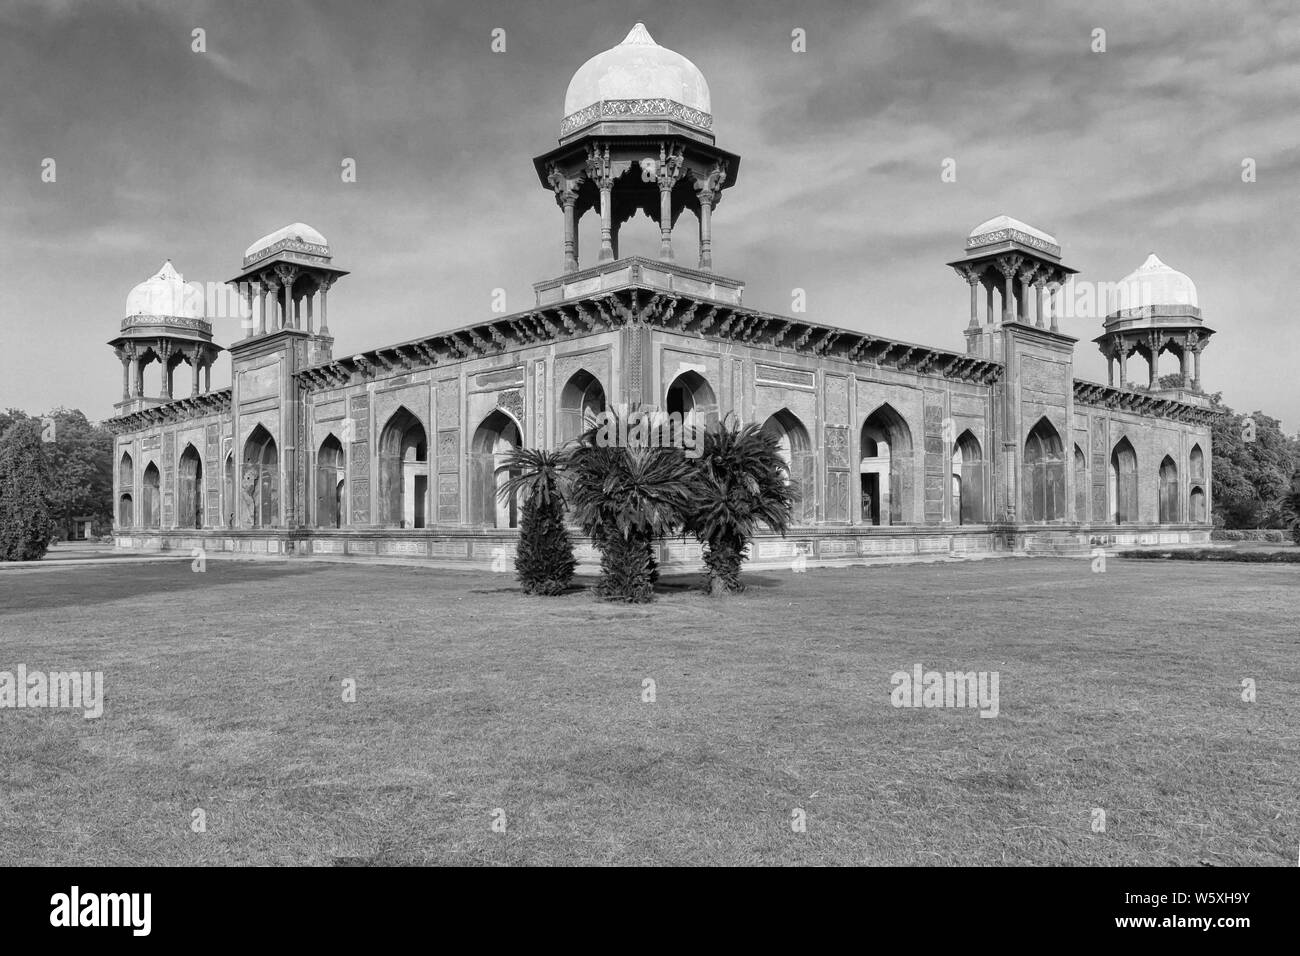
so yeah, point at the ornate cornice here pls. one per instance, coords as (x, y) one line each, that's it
(175, 321)
(182, 409)
(674, 312)
(1142, 402)
(1013, 235)
(290, 244)
(638, 109)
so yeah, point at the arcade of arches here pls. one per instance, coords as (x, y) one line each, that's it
(405, 495)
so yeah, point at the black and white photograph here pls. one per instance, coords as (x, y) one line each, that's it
(723, 434)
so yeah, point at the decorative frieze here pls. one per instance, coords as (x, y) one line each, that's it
(652, 108)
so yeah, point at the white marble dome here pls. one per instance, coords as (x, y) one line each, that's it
(1006, 222)
(637, 69)
(296, 230)
(165, 294)
(1154, 283)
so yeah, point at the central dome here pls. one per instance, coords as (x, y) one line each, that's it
(165, 295)
(638, 71)
(1155, 284)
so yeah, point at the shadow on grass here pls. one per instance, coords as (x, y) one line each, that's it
(82, 585)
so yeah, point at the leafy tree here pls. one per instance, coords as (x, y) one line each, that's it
(544, 562)
(26, 524)
(1250, 477)
(1291, 508)
(81, 468)
(630, 485)
(744, 482)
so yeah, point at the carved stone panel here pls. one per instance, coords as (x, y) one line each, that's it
(513, 402)
(837, 496)
(449, 404)
(449, 450)
(837, 446)
(169, 479)
(837, 399)
(448, 499)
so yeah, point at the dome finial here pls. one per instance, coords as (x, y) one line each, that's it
(639, 35)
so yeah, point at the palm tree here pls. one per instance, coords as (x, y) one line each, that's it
(745, 483)
(544, 562)
(625, 496)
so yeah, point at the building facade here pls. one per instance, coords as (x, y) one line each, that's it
(898, 449)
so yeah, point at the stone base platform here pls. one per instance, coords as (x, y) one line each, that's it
(494, 549)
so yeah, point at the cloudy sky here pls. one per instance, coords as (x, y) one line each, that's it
(162, 152)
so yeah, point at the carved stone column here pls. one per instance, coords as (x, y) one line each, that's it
(1122, 350)
(270, 301)
(325, 283)
(1154, 346)
(194, 355)
(1026, 279)
(598, 171)
(709, 191)
(1053, 307)
(287, 274)
(164, 355)
(669, 172)
(1008, 265)
(124, 357)
(1040, 315)
(566, 197)
(972, 276)
(1196, 358)
(254, 303)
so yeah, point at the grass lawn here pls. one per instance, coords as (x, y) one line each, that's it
(1119, 690)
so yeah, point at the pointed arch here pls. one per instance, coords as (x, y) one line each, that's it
(1168, 491)
(1123, 483)
(796, 450)
(1080, 484)
(581, 400)
(1196, 505)
(885, 467)
(1196, 463)
(403, 470)
(126, 491)
(228, 491)
(189, 488)
(692, 398)
(493, 440)
(969, 480)
(330, 483)
(259, 489)
(1044, 473)
(151, 497)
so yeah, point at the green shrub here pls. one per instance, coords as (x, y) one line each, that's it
(26, 522)
(1276, 537)
(1225, 534)
(544, 562)
(1218, 554)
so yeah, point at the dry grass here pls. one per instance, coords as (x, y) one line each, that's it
(1118, 690)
